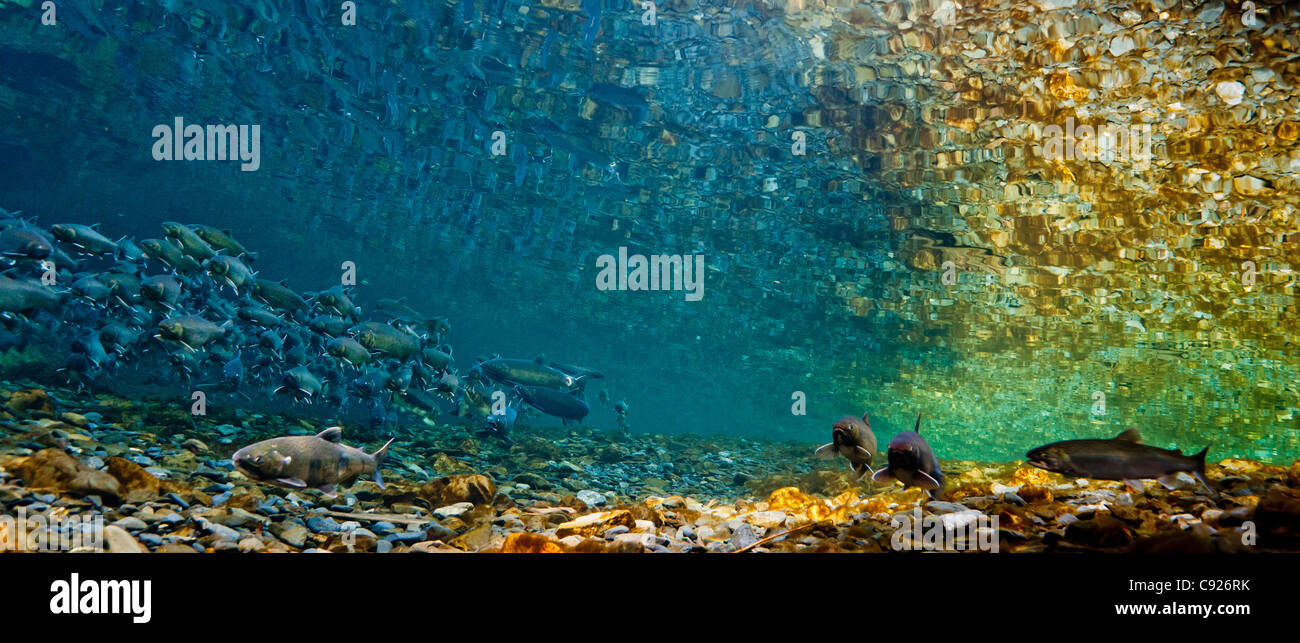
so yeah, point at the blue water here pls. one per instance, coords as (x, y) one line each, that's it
(377, 148)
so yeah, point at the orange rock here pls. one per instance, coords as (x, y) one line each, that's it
(1030, 475)
(474, 488)
(788, 499)
(818, 511)
(56, 470)
(876, 506)
(525, 543)
(848, 498)
(138, 485)
(32, 399)
(1035, 494)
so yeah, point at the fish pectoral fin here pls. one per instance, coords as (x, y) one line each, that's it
(863, 453)
(883, 476)
(329, 490)
(292, 482)
(862, 470)
(926, 481)
(1205, 481)
(826, 451)
(1168, 480)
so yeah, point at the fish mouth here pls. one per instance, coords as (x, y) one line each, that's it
(241, 466)
(1041, 464)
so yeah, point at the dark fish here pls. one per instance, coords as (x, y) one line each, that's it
(230, 271)
(624, 97)
(128, 251)
(259, 316)
(371, 383)
(91, 346)
(91, 289)
(301, 383)
(164, 250)
(317, 462)
(526, 372)
(337, 300)
(117, 337)
(124, 286)
(399, 310)
(84, 238)
(190, 330)
(162, 289)
(25, 296)
(912, 462)
(498, 425)
(348, 350)
(330, 325)
(191, 243)
(852, 438)
(380, 416)
(1123, 457)
(271, 341)
(221, 240)
(382, 338)
(474, 397)
(400, 380)
(24, 243)
(277, 295)
(436, 358)
(232, 374)
(553, 402)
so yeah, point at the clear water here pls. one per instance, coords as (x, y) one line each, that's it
(824, 272)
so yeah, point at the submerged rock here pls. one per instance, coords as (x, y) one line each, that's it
(595, 524)
(137, 485)
(56, 470)
(472, 488)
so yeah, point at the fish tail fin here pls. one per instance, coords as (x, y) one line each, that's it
(1199, 458)
(380, 456)
(579, 385)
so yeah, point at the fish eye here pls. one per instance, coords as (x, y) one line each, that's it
(257, 459)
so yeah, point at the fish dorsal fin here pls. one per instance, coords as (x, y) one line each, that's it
(540, 359)
(866, 417)
(1130, 435)
(917, 428)
(332, 434)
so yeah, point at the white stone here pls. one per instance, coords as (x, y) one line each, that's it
(451, 511)
(591, 498)
(119, 542)
(766, 519)
(1121, 44)
(1230, 91)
